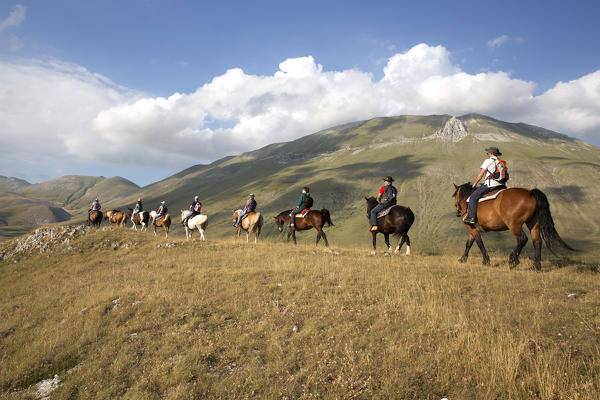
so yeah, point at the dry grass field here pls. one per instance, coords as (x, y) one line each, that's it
(118, 317)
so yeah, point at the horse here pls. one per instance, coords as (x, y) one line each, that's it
(141, 218)
(163, 220)
(197, 222)
(95, 218)
(397, 222)
(116, 217)
(509, 211)
(312, 219)
(252, 222)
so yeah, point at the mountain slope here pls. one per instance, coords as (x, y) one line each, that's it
(12, 184)
(425, 154)
(76, 192)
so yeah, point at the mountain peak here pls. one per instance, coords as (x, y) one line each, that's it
(454, 130)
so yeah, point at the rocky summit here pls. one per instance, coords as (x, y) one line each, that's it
(454, 130)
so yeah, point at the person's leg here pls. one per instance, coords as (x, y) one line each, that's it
(240, 219)
(474, 198)
(374, 212)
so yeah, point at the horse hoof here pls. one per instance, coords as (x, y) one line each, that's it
(462, 260)
(486, 262)
(372, 253)
(386, 254)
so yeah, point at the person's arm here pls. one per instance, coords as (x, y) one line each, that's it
(381, 191)
(300, 201)
(479, 176)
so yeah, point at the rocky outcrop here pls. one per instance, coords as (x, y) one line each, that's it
(453, 131)
(43, 240)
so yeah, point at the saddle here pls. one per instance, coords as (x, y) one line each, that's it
(302, 213)
(385, 211)
(492, 194)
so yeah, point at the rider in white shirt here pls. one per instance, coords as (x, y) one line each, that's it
(487, 169)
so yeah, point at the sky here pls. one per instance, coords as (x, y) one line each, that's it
(143, 89)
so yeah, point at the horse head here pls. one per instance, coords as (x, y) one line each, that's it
(371, 202)
(461, 194)
(183, 214)
(280, 219)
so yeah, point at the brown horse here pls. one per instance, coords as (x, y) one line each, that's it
(163, 220)
(95, 218)
(252, 222)
(116, 217)
(509, 211)
(140, 218)
(312, 219)
(397, 222)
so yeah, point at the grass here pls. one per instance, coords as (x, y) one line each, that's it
(221, 319)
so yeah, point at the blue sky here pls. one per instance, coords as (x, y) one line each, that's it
(100, 66)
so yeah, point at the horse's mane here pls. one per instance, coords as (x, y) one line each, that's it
(463, 190)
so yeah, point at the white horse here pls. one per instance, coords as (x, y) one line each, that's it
(198, 222)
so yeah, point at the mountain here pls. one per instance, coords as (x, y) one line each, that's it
(77, 192)
(424, 154)
(12, 184)
(341, 165)
(24, 206)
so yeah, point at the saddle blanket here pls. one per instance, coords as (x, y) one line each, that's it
(385, 211)
(490, 197)
(302, 213)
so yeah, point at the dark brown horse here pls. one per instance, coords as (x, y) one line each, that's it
(509, 211)
(116, 217)
(141, 218)
(397, 222)
(95, 218)
(312, 219)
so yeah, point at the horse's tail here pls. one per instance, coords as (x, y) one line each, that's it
(204, 224)
(326, 216)
(547, 229)
(259, 224)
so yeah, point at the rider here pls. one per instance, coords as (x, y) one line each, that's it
(303, 204)
(162, 210)
(138, 208)
(487, 168)
(249, 207)
(195, 209)
(386, 197)
(95, 207)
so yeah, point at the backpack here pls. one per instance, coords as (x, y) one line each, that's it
(500, 174)
(308, 202)
(197, 206)
(389, 195)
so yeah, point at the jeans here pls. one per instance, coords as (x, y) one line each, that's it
(157, 216)
(475, 196)
(240, 217)
(294, 212)
(374, 212)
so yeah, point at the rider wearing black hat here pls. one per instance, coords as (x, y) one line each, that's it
(386, 197)
(486, 170)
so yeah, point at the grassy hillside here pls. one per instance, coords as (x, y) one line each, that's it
(343, 164)
(12, 184)
(19, 214)
(116, 316)
(77, 192)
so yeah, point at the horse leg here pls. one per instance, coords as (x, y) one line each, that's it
(407, 244)
(318, 236)
(247, 237)
(534, 228)
(294, 235)
(166, 228)
(374, 234)
(386, 238)
(400, 243)
(486, 258)
(470, 241)
(325, 239)
(289, 234)
(513, 259)
(154, 230)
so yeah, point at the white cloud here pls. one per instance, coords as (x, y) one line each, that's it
(502, 39)
(15, 18)
(53, 109)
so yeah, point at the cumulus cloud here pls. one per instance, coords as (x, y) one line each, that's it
(55, 108)
(15, 17)
(503, 39)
